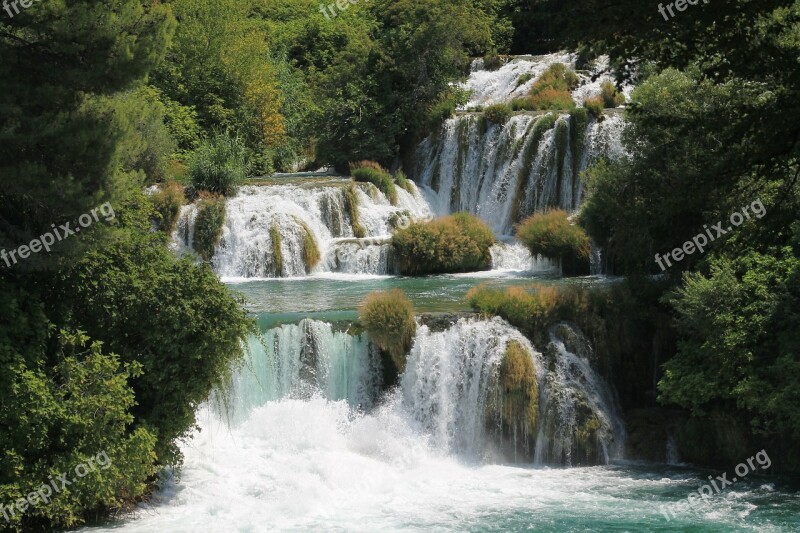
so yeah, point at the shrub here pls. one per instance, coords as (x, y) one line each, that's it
(524, 103)
(457, 243)
(220, 165)
(595, 105)
(371, 172)
(552, 90)
(611, 96)
(498, 113)
(388, 318)
(351, 204)
(531, 311)
(520, 388)
(552, 235)
(167, 203)
(550, 99)
(208, 224)
(493, 62)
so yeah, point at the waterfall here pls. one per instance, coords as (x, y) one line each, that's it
(580, 423)
(515, 257)
(505, 173)
(303, 360)
(478, 390)
(268, 229)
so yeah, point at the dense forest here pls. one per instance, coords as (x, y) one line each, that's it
(108, 341)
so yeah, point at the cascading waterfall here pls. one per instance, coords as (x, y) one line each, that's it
(301, 360)
(264, 219)
(579, 415)
(460, 389)
(503, 173)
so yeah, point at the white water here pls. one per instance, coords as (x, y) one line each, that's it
(245, 249)
(488, 87)
(515, 257)
(484, 172)
(295, 459)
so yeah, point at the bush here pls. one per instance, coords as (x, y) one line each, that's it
(552, 90)
(498, 113)
(552, 235)
(595, 105)
(457, 243)
(611, 96)
(371, 172)
(208, 224)
(173, 317)
(388, 318)
(550, 99)
(220, 165)
(493, 62)
(531, 311)
(351, 204)
(167, 203)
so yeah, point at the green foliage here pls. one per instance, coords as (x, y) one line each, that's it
(611, 96)
(595, 105)
(351, 205)
(445, 106)
(531, 311)
(738, 341)
(404, 182)
(219, 66)
(55, 417)
(277, 250)
(550, 92)
(524, 78)
(493, 62)
(552, 235)
(498, 113)
(208, 225)
(172, 317)
(61, 153)
(388, 317)
(220, 165)
(311, 255)
(167, 203)
(458, 243)
(371, 172)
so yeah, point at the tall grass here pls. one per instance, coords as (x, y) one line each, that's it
(208, 224)
(371, 172)
(219, 165)
(388, 318)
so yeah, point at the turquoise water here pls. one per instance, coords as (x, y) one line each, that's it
(310, 464)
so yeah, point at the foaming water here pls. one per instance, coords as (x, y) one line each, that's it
(317, 465)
